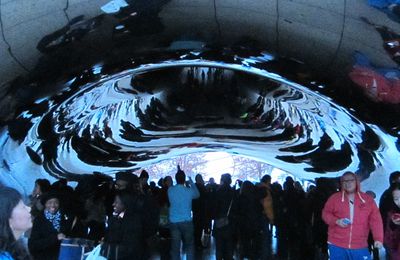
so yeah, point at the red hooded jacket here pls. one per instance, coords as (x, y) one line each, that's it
(366, 217)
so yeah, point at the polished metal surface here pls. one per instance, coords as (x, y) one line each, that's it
(311, 87)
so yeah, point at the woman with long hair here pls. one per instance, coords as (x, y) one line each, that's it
(15, 219)
(42, 186)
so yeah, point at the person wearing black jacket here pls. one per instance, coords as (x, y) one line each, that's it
(386, 200)
(124, 235)
(225, 207)
(130, 227)
(252, 224)
(199, 212)
(49, 228)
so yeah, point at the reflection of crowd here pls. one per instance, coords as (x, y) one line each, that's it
(132, 219)
(379, 84)
(390, 7)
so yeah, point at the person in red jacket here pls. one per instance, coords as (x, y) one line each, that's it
(350, 215)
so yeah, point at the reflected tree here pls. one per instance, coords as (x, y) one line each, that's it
(191, 164)
(249, 169)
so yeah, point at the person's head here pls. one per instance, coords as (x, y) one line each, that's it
(160, 182)
(371, 194)
(348, 182)
(144, 177)
(135, 185)
(15, 217)
(199, 179)
(211, 181)
(60, 185)
(266, 179)
(394, 177)
(289, 179)
(51, 202)
(41, 186)
(311, 189)
(276, 187)
(247, 188)
(288, 184)
(298, 186)
(180, 177)
(396, 194)
(167, 181)
(122, 201)
(226, 179)
(122, 180)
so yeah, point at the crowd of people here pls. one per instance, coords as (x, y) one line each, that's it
(131, 218)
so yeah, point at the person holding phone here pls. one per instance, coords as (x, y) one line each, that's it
(180, 216)
(350, 215)
(392, 228)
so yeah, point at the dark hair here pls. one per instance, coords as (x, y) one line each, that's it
(393, 176)
(126, 198)
(50, 195)
(226, 178)
(266, 178)
(198, 176)
(9, 199)
(160, 182)
(61, 184)
(167, 178)
(180, 177)
(289, 179)
(123, 176)
(247, 188)
(144, 174)
(394, 186)
(44, 185)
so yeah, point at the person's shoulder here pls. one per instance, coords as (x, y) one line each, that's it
(335, 195)
(5, 256)
(172, 188)
(367, 198)
(39, 218)
(386, 194)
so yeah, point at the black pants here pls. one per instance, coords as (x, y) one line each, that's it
(224, 245)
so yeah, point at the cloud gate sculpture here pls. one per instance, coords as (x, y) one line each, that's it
(311, 87)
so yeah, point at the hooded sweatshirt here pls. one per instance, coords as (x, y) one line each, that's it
(366, 217)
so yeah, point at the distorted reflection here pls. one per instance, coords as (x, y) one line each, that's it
(159, 110)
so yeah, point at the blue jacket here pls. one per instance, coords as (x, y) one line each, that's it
(5, 256)
(180, 198)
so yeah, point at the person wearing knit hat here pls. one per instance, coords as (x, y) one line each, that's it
(50, 227)
(49, 195)
(350, 215)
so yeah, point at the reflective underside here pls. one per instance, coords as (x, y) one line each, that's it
(308, 88)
